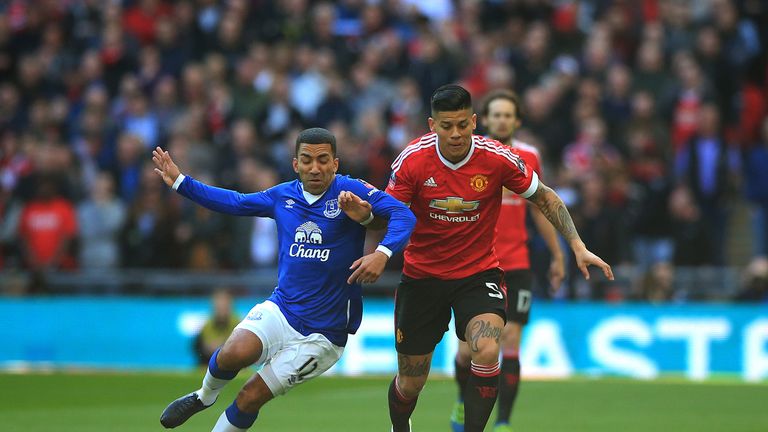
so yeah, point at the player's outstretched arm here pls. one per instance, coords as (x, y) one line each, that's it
(557, 213)
(213, 198)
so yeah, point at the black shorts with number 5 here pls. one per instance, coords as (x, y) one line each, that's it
(518, 283)
(423, 308)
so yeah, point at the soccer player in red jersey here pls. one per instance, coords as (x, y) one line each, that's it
(453, 181)
(501, 116)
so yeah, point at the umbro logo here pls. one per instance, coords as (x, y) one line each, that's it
(430, 182)
(289, 203)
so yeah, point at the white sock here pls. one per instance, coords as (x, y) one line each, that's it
(223, 425)
(211, 388)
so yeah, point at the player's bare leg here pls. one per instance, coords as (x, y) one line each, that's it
(510, 374)
(412, 373)
(241, 349)
(243, 412)
(483, 335)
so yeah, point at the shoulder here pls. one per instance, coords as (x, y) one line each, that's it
(524, 148)
(529, 153)
(417, 148)
(495, 150)
(343, 180)
(284, 188)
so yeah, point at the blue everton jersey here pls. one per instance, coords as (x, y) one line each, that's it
(317, 245)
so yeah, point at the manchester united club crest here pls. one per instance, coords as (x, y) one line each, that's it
(479, 182)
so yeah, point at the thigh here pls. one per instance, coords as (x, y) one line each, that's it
(300, 360)
(518, 284)
(422, 315)
(479, 294)
(267, 323)
(241, 349)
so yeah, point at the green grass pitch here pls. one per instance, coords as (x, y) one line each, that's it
(90, 402)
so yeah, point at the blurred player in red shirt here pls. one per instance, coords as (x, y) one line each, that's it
(501, 116)
(453, 181)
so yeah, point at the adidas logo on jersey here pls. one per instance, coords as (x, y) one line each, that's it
(430, 182)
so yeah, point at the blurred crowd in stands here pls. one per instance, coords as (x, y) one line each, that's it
(651, 117)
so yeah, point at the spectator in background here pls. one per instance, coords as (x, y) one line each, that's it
(254, 241)
(601, 225)
(684, 100)
(149, 238)
(48, 229)
(706, 165)
(591, 152)
(217, 327)
(693, 245)
(756, 182)
(130, 152)
(202, 235)
(657, 284)
(755, 285)
(649, 73)
(100, 218)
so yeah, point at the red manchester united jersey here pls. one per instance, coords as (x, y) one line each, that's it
(511, 232)
(456, 205)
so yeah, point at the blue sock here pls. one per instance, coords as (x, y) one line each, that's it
(238, 418)
(214, 369)
(215, 379)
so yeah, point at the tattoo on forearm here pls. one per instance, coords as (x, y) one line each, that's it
(482, 329)
(406, 368)
(555, 211)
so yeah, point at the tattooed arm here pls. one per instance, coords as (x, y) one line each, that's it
(555, 211)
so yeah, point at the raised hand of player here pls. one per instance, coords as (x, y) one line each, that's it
(164, 166)
(355, 208)
(585, 258)
(368, 268)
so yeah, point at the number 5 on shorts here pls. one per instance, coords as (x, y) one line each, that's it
(495, 291)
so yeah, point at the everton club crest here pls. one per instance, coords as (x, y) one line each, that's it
(332, 208)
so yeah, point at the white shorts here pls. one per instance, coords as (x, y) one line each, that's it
(289, 358)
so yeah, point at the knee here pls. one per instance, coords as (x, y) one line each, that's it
(411, 386)
(486, 354)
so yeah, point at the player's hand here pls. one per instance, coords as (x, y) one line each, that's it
(556, 273)
(368, 268)
(164, 166)
(585, 258)
(355, 208)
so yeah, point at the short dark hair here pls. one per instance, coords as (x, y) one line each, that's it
(450, 97)
(502, 94)
(316, 136)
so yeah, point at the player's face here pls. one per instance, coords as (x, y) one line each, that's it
(454, 132)
(501, 121)
(316, 167)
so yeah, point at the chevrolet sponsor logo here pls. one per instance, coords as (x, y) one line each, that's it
(454, 205)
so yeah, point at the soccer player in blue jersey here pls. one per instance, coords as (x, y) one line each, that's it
(300, 331)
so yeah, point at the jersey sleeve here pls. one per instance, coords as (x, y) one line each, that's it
(517, 175)
(227, 201)
(401, 219)
(401, 185)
